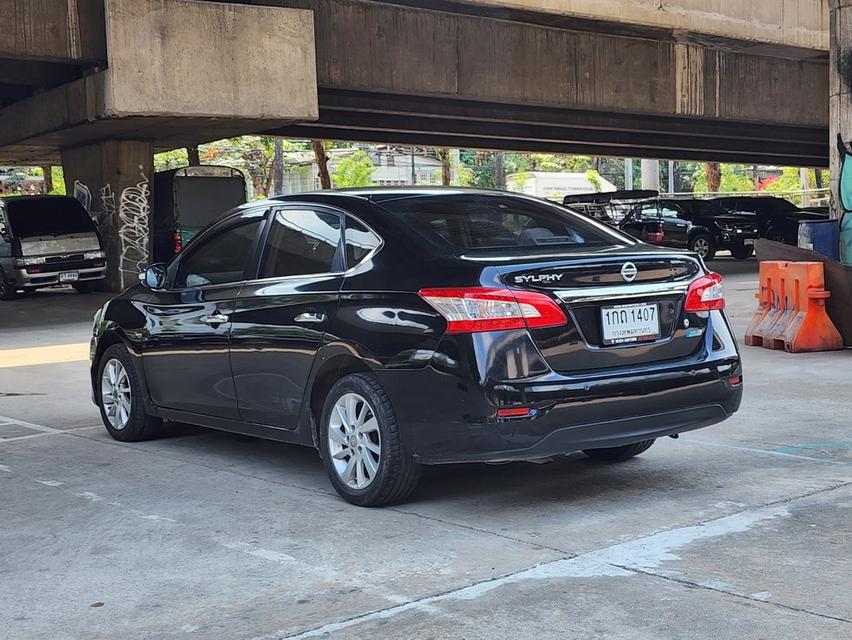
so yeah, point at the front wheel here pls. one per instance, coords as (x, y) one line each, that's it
(7, 291)
(703, 245)
(361, 445)
(120, 398)
(618, 454)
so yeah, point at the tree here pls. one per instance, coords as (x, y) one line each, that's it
(731, 178)
(322, 163)
(446, 169)
(193, 156)
(714, 176)
(355, 171)
(48, 178)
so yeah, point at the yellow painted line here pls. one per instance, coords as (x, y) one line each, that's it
(44, 355)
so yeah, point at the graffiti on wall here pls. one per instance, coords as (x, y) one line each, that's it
(134, 211)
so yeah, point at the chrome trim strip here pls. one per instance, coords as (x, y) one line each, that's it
(641, 290)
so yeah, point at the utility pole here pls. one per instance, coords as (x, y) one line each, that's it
(499, 174)
(628, 174)
(413, 167)
(671, 186)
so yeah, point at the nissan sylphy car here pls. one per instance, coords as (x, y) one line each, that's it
(396, 328)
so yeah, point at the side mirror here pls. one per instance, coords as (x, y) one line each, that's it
(154, 277)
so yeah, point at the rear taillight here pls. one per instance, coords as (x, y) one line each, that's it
(178, 242)
(470, 310)
(705, 294)
(656, 236)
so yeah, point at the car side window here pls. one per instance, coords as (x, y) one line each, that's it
(220, 259)
(360, 241)
(302, 242)
(4, 230)
(649, 211)
(669, 212)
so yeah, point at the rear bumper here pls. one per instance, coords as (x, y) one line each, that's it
(446, 416)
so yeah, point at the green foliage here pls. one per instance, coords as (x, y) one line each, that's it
(58, 181)
(735, 177)
(173, 159)
(355, 171)
(594, 179)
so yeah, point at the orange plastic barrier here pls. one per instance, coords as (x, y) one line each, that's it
(791, 309)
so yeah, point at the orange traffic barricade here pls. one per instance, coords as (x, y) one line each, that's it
(791, 311)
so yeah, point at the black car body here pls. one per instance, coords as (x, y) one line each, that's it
(473, 321)
(701, 226)
(777, 219)
(47, 241)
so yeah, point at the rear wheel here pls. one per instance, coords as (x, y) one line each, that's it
(120, 398)
(361, 446)
(703, 245)
(617, 454)
(7, 291)
(742, 252)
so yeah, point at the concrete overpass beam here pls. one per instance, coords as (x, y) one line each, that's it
(115, 179)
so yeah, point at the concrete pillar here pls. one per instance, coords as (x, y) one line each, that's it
(628, 174)
(113, 179)
(651, 174)
(840, 89)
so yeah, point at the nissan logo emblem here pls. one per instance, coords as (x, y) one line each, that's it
(629, 271)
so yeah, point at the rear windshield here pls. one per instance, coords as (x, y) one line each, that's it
(30, 217)
(200, 201)
(471, 222)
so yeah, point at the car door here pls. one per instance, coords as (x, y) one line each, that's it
(185, 353)
(675, 224)
(636, 223)
(282, 316)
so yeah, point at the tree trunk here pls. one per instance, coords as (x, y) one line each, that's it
(322, 163)
(193, 157)
(446, 168)
(278, 168)
(818, 178)
(714, 176)
(48, 178)
(499, 173)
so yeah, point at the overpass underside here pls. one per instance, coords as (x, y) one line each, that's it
(448, 73)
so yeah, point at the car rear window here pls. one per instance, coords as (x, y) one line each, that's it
(31, 217)
(472, 222)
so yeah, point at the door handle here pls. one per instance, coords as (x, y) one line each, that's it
(216, 318)
(310, 317)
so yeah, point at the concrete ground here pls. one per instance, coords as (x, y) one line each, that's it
(743, 530)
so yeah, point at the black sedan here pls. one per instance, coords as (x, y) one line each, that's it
(392, 329)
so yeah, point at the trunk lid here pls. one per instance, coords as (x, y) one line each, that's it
(650, 285)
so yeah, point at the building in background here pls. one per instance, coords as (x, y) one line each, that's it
(555, 186)
(393, 167)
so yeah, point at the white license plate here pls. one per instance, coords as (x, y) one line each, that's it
(69, 276)
(748, 242)
(630, 323)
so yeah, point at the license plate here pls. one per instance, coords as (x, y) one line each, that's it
(630, 323)
(69, 276)
(748, 242)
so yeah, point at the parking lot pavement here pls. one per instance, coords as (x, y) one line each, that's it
(743, 530)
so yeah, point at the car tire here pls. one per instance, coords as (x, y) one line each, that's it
(87, 286)
(742, 252)
(7, 291)
(618, 454)
(703, 245)
(361, 444)
(125, 420)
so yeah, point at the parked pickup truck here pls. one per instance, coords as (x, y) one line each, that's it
(45, 241)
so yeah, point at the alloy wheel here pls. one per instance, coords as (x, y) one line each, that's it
(354, 441)
(116, 394)
(701, 247)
